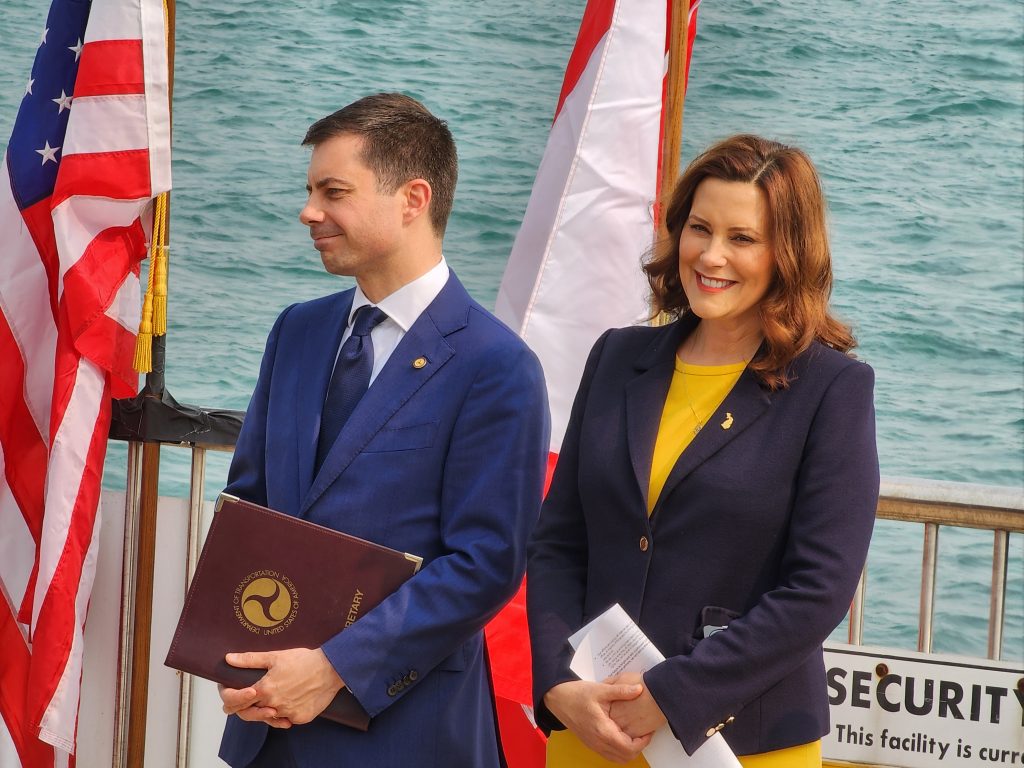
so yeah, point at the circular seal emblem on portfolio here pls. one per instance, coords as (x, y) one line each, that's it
(266, 602)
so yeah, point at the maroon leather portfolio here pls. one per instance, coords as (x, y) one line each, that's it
(267, 581)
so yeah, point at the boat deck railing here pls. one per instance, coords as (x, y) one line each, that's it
(932, 504)
(936, 504)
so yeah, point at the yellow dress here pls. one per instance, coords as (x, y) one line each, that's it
(695, 393)
(566, 751)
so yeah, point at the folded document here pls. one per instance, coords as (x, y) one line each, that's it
(612, 644)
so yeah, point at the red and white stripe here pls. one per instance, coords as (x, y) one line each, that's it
(574, 270)
(69, 304)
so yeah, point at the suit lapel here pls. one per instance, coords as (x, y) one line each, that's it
(397, 382)
(319, 349)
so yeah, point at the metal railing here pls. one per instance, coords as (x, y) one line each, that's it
(934, 504)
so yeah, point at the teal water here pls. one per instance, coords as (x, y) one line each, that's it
(913, 111)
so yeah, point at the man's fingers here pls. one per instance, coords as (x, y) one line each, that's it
(266, 715)
(235, 699)
(252, 710)
(251, 660)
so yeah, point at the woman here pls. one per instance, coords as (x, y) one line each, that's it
(718, 479)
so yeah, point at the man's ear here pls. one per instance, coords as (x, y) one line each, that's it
(417, 199)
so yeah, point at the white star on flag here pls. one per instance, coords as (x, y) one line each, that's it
(28, 88)
(49, 153)
(43, 40)
(64, 102)
(77, 48)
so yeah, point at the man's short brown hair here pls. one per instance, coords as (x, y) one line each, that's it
(402, 141)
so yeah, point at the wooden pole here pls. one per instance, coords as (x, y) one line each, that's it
(672, 119)
(169, 7)
(675, 96)
(142, 618)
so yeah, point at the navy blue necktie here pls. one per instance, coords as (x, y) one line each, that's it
(350, 380)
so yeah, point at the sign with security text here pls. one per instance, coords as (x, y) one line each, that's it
(915, 710)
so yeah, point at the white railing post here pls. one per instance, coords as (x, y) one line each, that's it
(133, 502)
(929, 564)
(997, 604)
(855, 631)
(197, 487)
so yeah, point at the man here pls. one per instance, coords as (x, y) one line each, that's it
(442, 456)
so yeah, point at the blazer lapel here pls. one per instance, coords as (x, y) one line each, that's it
(319, 350)
(645, 398)
(397, 382)
(746, 403)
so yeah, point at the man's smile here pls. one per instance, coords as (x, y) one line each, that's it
(321, 239)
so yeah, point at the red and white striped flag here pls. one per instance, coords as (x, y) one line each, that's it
(89, 150)
(574, 270)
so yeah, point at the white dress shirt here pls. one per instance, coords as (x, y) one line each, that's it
(403, 308)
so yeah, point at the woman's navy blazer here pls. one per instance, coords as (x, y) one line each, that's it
(763, 525)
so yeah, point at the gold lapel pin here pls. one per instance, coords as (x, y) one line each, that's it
(419, 362)
(728, 421)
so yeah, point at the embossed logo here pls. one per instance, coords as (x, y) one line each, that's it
(266, 602)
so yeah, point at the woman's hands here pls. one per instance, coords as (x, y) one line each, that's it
(584, 708)
(639, 715)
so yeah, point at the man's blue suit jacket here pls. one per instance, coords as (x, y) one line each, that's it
(445, 461)
(763, 525)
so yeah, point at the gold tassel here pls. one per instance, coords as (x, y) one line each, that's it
(160, 293)
(154, 306)
(159, 265)
(143, 362)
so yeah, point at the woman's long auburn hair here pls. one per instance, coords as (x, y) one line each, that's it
(794, 311)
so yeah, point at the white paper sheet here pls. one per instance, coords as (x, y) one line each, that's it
(613, 643)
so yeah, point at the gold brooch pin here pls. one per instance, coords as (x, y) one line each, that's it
(728, 421)
(419, 362)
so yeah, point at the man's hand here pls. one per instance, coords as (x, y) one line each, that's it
(243, 702)
(298, 686)
(584, 709)
(640, 715)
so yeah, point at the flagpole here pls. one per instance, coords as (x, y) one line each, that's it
(155, 383)
(140, 529)
(672, 119)
(675, 95)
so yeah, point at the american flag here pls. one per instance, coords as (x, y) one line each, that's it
(89, 150)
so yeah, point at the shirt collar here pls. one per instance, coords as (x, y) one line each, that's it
(405, 305)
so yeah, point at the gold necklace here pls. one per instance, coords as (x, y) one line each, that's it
(689, 402)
